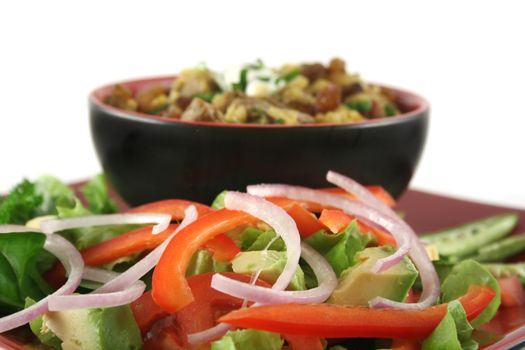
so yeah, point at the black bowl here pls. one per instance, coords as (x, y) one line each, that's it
(148, 158)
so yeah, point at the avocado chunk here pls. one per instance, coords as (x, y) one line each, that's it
(95, 329)
(271, 264)
(358, 284)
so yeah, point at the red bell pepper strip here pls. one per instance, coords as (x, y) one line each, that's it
(222, 247)
(170, 288)
(336, 221)
(174, 207)
(338, 321)
(303, 342)
(306, 222)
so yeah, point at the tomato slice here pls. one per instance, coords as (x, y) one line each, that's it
(404, 344)
(9, 344)
(208, 305)
(512, 293)
(338, 321)
(336, 221)
(170, 288)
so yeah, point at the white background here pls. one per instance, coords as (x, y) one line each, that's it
(466, 58)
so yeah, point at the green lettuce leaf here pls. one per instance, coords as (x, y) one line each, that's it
(248, 339)
(253, 239)
(54, 193)
(21, 204)
(462, 276)
(453, 332)
(340, 249)
(19, 276)
(97, 196)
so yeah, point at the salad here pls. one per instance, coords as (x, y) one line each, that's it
(278, 267)
(257, 94)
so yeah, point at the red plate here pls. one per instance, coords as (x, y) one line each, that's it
(427, 212)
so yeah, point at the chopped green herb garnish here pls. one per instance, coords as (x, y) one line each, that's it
(160, 109)
(363, 106)
(389, 110)
(206, 96)
(243, 81)
(288, 77)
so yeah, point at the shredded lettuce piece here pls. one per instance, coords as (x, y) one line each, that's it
(97, 196)
(248, 339)
(453, 332)
(19, 276)
(21, 204)
(462, 276)
(340, 249)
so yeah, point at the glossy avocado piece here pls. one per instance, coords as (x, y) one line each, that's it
(358, 284)
(95, 329)
(271, 264)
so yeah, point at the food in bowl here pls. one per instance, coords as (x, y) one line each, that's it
(257, 94)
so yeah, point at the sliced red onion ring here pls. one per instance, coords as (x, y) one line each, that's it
(54, 225)
(95, 274)
(361, 192)
(16, 229)
(72, 260)
(94, 300)
(417, 252)
(362, 210)
(209, 334)
(326, 278)
(280, 221)
(137, 271)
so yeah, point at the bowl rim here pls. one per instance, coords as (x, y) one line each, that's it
(95, 99)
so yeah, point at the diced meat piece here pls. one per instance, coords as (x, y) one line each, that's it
(337, 65)
(199, 110)
(314, 71)
(328, 99)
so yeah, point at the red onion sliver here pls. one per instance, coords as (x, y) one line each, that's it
(280, 221)
(54, 225)
(361, 192)
(96, 274)
(362, 210)
(209, 334)
(137, 271)
(95, 300)
(326, 277)
(417, 252)
(16, 229)
(72, 260)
